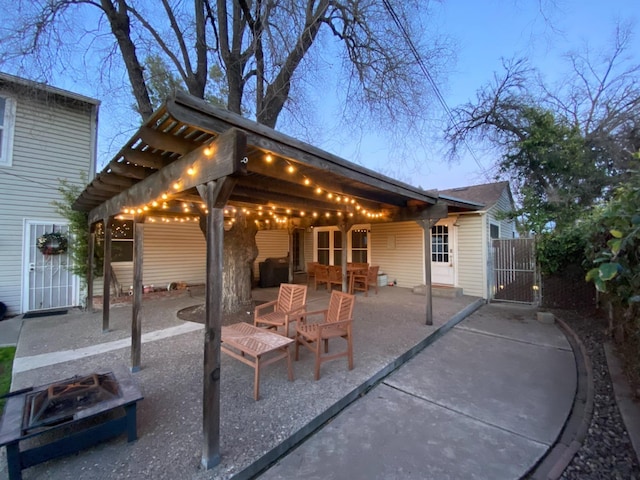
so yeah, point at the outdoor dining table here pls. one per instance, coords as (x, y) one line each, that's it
(254, 346)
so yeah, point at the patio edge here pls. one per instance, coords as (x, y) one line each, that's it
(297, 438)
(570, 438)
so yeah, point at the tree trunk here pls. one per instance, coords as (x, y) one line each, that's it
(239, 252)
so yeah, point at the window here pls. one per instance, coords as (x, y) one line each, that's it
(329, 246)
(359, 243)
(323, 248)
(7, 120)
(121, 240)
(494, 230)
(440, 243)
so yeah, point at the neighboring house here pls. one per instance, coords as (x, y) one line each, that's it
(46, 134)
(460, 251)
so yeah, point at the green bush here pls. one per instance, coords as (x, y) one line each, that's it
(557, 250)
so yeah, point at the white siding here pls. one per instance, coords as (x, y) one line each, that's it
(271, 243)
(51, 142)
(471, 235)
(398, 249)
(507, 227)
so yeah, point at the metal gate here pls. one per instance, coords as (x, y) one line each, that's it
(514, 270)
(48, 281)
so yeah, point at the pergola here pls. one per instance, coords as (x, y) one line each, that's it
(192, 157)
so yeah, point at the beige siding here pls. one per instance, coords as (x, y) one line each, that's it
(271, 243)
(174, 252)
(398, 249)
(51, 142)
(471, 258)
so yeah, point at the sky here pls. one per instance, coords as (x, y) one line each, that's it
(485, 32)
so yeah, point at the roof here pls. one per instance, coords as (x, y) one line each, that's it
(486, 194)
(272, 173)
(43, 87)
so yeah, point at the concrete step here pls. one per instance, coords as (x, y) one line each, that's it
(442, 291)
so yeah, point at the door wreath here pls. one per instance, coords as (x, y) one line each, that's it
(54, 243)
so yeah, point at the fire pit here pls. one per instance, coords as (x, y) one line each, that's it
(108, 399)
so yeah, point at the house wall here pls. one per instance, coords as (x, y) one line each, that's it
(507, 227)
(271, 243)
(52, 141)
(398, 249)
(173, 252)
(471, 255)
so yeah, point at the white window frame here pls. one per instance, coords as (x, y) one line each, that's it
(333, 247)
(7, 128)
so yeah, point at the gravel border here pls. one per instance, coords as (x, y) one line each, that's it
(606, 451)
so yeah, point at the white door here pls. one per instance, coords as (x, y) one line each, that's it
(48, 281)
(442, 253)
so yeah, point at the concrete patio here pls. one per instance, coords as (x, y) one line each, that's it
(169, 418)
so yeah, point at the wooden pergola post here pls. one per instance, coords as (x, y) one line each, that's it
(136, 311)
(426, 231)
(106, 269)
(291, 228)
(215, 194)
(433, 214)
(90, 272)
(344, 227)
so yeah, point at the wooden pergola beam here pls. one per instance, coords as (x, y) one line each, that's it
(129, 171)
(192, 111)
(147, 159)
(223, 161)
(159, 140)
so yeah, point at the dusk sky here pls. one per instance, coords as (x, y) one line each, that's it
(484, 32)
(487, 31)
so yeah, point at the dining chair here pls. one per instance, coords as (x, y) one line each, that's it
(362, 281)
(311, 272)
(322, 276)
(335, 276)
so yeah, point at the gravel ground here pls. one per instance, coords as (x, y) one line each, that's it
(607, 452)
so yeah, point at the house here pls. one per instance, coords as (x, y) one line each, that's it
(460, 243)
(46, 134)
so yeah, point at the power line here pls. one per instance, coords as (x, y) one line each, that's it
(430, 79)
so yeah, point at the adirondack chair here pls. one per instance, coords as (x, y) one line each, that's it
(337, 323)
(289, 307)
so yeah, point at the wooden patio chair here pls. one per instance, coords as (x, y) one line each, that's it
(335, 277)
(337, 323)
(289, 307)
(322, 276)
(311, 272)
(362, 282)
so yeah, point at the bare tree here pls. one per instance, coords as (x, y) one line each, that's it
(563, 147)
(263, 47)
